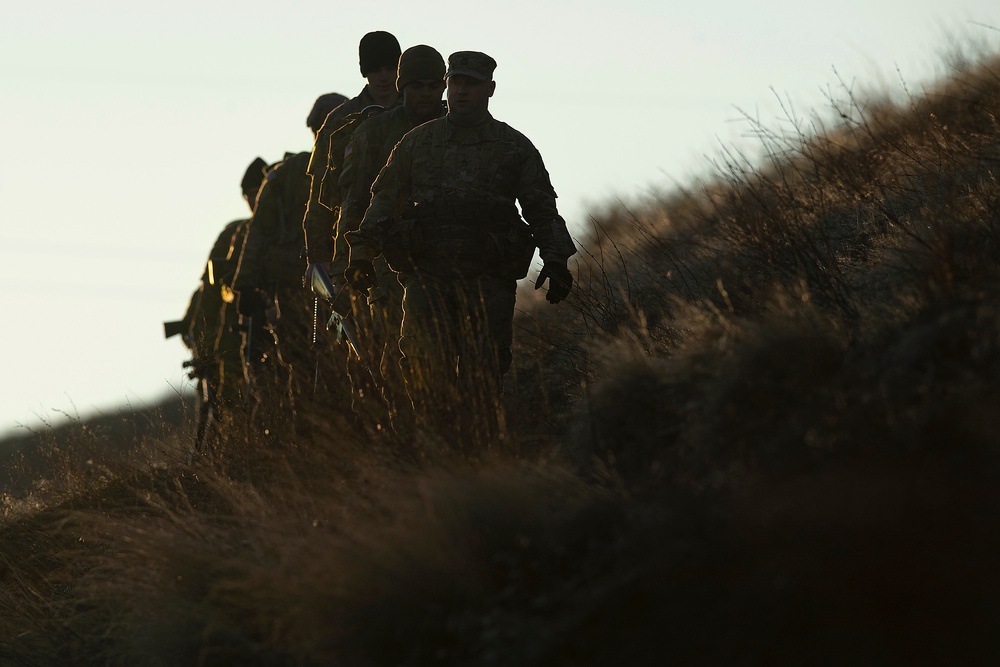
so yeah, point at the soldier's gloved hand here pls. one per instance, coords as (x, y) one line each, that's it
(360, 275)
(560, 280)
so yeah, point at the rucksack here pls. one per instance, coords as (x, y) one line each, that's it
(338, 150)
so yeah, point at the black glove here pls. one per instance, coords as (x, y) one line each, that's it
(560, 281)
(360, 275)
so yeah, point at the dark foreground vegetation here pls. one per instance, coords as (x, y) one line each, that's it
(765, 430)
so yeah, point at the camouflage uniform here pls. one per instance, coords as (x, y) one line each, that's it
(319, 223)
(376, 50)
(206, 335)
(456, 186)
(269, 277)
(369, 150)
(211, 324)
(221, 314)
(232, 371)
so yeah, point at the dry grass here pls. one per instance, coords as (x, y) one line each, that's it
(763, 430)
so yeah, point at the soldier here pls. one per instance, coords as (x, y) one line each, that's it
(443, 213)
(269, 276)
(234, 385)
(420, 79)
(378, 55)
(212, 325)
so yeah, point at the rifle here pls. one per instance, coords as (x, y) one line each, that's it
(175, 328)
(340, 302)
(341, 319)
(318, 281)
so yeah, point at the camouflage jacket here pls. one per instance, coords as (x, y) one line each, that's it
(368, 152)
(440, 165)
(204, 317)
(272, 253)
(319, 223)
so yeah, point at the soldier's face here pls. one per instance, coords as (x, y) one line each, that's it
(382, 81)
(423, 97)
(469, 98)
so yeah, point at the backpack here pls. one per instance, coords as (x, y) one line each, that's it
(339, 145)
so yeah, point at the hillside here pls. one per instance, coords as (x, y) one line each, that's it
(763, 430)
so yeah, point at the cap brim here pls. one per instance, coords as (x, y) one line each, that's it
(467, 72)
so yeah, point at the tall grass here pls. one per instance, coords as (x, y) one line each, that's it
(762, 430)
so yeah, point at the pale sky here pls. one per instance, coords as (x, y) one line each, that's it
(126, 130)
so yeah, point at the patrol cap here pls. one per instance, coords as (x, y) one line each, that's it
(323, 105)
(471, 63)
(377, 49)
(419, 62)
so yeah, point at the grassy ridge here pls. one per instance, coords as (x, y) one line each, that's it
(763, 430)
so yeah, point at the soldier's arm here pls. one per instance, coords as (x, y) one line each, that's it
(233, 252)
(537, 198)
(355, 182)
(319, 221)
(389, 193)
(318, 225)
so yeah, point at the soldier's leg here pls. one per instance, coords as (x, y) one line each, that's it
(387, 319)
(426, 345)
(205, 404)
(484, 358)
(486, 354)
(232, 386)
(265, 375)
(362, 368)
(295, 327)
